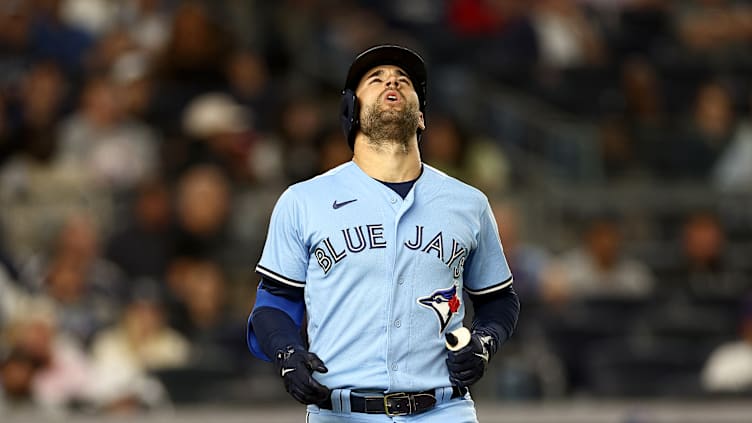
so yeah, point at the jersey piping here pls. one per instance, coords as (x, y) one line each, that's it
(492, 288)
(277, 277)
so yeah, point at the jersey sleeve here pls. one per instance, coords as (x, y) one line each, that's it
(285, 256)
(486, 268)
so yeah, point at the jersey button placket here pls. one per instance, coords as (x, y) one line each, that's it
(398, 323)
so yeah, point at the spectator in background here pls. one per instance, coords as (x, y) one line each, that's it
(197, 49)
(645, 116)
(728, 370)
(54, 372)
(38, 106)
(32, 109)
(251, 85)
(118, 151)
(566, 36)
(697, 147)
(202, 205)
(204, 316)
(597, 268)
(140, 342)
(221, 132)
(704, 269)
(192, 61)
(85, 289)
(141, 247)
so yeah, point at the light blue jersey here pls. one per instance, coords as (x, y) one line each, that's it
(383, 276)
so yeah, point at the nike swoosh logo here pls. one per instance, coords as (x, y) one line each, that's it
(484, 356)
(336, 205)
(288, 370)
(484, 340)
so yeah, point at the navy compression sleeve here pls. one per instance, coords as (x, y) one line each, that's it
(274, 328)
(496, 315)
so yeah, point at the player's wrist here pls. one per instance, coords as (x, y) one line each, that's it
(488, 342)
(283, 354)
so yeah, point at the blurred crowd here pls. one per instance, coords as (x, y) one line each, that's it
(143, 144)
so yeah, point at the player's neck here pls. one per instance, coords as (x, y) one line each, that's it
(388, 163)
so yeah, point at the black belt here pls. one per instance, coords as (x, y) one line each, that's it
(394, 404)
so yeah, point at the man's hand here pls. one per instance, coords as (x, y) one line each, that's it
(468, 364)
(295, 365)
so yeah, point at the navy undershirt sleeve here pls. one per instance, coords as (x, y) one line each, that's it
(274, 328)
(496, 315)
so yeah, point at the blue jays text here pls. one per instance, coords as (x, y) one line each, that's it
(329, 255)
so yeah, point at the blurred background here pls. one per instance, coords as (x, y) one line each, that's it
(143, 144)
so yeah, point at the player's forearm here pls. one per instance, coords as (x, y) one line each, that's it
(496, 315)
(275, 330)
(276, 319)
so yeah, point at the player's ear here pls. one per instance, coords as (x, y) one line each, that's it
(421, 122)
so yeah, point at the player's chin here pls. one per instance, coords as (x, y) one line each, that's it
(392, 106)
(391, 115)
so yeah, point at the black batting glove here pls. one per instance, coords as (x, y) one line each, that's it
(468, 364)
(296, 365)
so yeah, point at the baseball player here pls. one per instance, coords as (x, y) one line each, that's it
(376, 254)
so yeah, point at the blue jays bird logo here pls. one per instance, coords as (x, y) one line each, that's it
(444, 302)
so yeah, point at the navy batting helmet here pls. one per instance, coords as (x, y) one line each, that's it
(385, 54)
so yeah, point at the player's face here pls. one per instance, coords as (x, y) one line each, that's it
(389, 106)
(387, 87)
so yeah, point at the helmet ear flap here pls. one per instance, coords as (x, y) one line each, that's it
(349, 116)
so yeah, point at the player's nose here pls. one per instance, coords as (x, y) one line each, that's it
(392, 81)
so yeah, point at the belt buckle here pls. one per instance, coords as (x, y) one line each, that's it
(397, 396)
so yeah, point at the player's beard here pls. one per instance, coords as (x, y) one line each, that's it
(383, 126)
